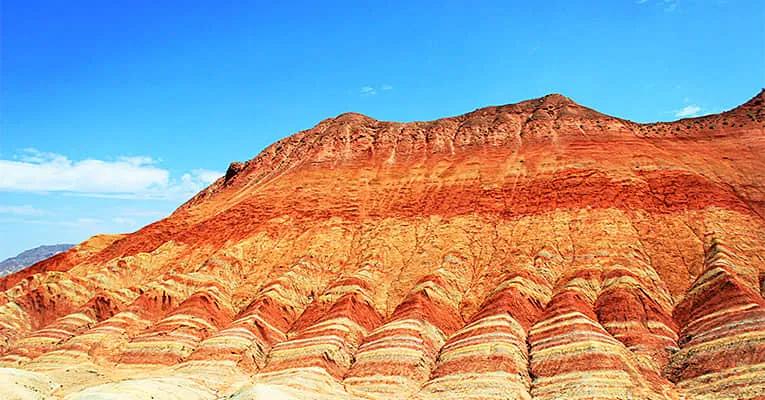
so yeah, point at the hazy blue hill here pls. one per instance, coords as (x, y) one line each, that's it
(30, 257)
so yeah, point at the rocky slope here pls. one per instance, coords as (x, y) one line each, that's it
(535, 250)
(31, 256)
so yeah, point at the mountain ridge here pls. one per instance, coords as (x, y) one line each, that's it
(529, 107)
(534, 250)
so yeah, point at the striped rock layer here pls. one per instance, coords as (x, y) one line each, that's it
(538, 250)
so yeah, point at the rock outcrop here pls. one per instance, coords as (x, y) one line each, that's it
(537, 250)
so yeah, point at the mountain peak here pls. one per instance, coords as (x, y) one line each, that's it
(557, 98)
(751, 113)
(755, 102)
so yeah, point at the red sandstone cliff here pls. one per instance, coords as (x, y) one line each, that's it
(533, 250)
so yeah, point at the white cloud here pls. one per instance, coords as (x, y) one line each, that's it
(132, 212)
(127, 177)
(371, 90)
(138, 160)
(191, 183)
(669, 5)
(89, 220)
(38, 171)
(124, 221)
(206, 176)
(33, 156)
(22, 210)
(687, 111)
(78, 223)
(24, 221)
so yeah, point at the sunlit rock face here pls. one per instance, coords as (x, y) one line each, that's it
(538, 250)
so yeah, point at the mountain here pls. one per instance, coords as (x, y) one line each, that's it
(533, 250)
(29, 257)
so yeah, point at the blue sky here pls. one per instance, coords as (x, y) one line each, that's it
(112, 116)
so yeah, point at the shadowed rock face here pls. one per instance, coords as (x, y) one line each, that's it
(538, 250)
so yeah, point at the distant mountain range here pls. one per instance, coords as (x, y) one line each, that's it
(30, 257)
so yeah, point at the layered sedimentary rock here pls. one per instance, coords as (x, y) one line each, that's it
(536, 250)
(488, 358)
(722, 317)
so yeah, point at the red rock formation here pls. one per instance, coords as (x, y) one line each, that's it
(532, 250)
(62, 261)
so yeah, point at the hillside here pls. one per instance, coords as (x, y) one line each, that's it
(533, 250)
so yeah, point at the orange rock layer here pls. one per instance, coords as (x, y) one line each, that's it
(538, 250)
